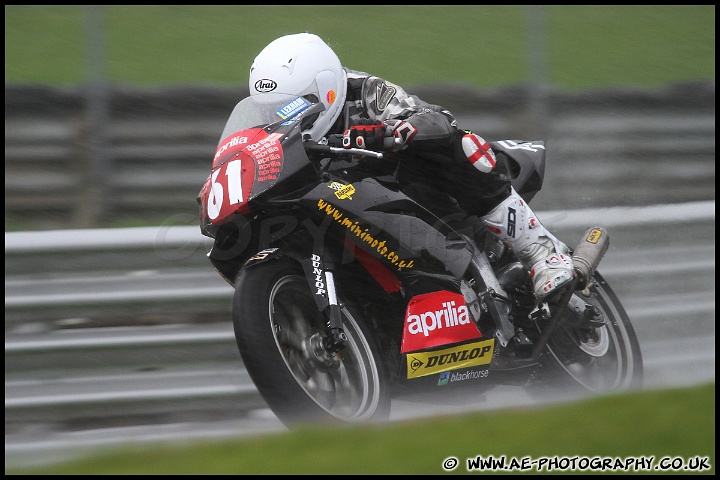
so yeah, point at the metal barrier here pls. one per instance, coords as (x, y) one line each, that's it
(97, 276)
(181, 237)
(159, 142)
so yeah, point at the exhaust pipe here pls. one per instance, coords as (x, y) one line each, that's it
(588, 253)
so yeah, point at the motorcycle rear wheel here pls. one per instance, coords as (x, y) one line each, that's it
(279, 331)
(588, 358)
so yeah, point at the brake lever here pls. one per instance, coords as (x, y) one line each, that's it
(357, 151)
(328, 150)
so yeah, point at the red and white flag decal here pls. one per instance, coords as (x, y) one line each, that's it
(478, 152)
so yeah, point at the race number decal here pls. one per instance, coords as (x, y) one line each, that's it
(246, 162)
(229, 187)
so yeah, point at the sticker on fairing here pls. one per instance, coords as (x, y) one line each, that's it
(435, 319)
(245, 164)
(446, 378)
(343, 191)
(293, 108)
(261, 255)
(420, 364)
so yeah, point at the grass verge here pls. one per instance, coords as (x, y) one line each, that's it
(673, 427)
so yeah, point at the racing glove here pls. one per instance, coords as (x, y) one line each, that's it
(392, 135)
(367, 134)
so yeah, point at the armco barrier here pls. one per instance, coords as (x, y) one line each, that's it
(158, 143)
(173, 237)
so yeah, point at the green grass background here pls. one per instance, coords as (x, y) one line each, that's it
(480, 46)
(587, 47)
(673, 424)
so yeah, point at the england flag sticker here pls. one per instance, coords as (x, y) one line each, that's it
(478, 152)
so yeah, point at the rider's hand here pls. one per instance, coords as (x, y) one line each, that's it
(402, 133)
(392, 135)
(367, 134)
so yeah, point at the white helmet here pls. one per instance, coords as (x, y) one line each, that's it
(302, 64)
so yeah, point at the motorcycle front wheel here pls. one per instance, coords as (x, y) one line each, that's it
(279, 332)
(592, 357)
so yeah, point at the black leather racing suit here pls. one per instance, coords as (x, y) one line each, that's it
(434, 166)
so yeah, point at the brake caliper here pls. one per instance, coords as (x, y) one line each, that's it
(336, 340)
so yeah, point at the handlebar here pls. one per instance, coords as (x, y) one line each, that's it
(328, 150)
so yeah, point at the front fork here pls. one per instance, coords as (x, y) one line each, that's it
(336, 338)
(322, 283)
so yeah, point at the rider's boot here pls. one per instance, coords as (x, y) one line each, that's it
(547, 258)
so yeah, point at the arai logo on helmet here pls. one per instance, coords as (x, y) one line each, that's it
(265, 85)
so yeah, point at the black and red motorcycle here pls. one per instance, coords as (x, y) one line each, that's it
(351, 291)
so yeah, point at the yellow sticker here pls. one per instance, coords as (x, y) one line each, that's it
(473, 354)
(346, 192)
(342, 191)
(594, 235)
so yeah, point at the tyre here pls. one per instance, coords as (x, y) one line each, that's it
(595, 356)
(279, 332)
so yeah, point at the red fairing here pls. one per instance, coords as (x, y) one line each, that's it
(245, 163)
(437, 318)
(385, 278)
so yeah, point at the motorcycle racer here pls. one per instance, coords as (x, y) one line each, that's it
(459, 165)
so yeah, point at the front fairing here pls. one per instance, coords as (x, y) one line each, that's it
(251, 158)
